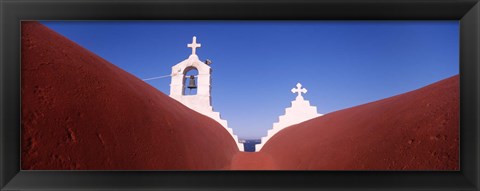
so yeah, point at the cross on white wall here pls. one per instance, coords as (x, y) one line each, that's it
(194, 45)
(299, 90)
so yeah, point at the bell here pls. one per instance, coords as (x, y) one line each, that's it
(192, 84)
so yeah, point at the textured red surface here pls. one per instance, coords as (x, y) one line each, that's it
(418, 130)
(82, 112)
(253, 161)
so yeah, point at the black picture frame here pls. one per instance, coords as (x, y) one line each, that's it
(13, 11)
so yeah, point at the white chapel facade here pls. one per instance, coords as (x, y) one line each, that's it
(201, 101)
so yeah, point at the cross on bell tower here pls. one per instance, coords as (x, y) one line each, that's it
(194, 45)
(299, 90)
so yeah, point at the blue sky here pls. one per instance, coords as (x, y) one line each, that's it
(257, 63)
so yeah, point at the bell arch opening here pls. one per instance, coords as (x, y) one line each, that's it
(190, 81)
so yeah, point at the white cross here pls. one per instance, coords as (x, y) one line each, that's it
(299, 90)
(194, 45)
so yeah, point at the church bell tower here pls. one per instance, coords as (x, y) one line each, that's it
(201, 101)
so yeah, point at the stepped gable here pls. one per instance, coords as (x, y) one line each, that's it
(418, 130)
(300, 111)
(81, 112)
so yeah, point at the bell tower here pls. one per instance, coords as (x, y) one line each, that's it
(180, 81)
(201, 101)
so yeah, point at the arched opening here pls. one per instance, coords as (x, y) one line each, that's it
(190, 81)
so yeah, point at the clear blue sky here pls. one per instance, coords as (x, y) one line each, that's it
(257, 63)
